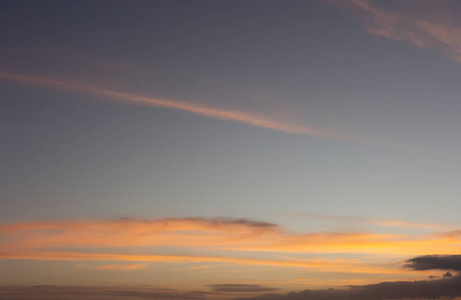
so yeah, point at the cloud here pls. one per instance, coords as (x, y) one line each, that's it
(334, 265)
(426, 24)
(451, 234)
(435, 262)
(126, 232)
(251, 288)
(159, 224)
(114, 266)
(152, 295)
(373, 221)
(449, 286)
(122, 267)
(92, 292)
(232, 241)
(218, 222)
(433, 289)
(45, 241)
(200, 109)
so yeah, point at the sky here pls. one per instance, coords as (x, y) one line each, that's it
(247, 149)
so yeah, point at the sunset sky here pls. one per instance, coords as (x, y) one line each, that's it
(250, 149)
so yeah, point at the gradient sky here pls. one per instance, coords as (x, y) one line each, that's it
(226, 149)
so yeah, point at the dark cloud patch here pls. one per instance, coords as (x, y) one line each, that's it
(435, 262)
(231, 221)
(214, 221)
(241, 288)
(432, 289)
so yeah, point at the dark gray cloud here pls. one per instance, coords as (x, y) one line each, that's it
(435, 262)
(214, 221)
(241, 288)
(240, 221)
(431, 289)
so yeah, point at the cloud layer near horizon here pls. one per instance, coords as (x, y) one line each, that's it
(46, 292)
(449, 286)
(432, 289)
(231, 241)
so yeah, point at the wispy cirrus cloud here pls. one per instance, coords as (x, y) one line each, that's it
(374, 221)
(118, 266)
(200, 109)
(231, 234)
(333, 265)
(431, 25)
(45, 241)
(189, 232)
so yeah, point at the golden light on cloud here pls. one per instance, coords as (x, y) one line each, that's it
(334, 119)
(231, 241)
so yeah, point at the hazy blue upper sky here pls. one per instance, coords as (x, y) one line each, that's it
(72, 155)
(347, 111)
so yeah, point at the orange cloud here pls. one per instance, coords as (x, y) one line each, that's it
(122, 267)
(360, 243)
(115, 266)
(233, 241)
(200, 109)
(190, 232)
(429, 24)
(332, 265)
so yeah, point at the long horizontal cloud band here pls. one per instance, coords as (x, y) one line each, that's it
(449, 286)
(94, 292)
(233, 241)
(434, 289)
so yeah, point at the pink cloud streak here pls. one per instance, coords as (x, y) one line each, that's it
(428, 24)
(200, 109)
